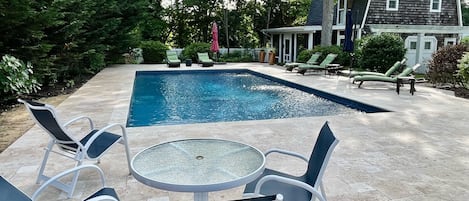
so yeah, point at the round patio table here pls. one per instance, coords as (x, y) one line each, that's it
(198, 165)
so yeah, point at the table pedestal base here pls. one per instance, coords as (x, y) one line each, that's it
(201, 196)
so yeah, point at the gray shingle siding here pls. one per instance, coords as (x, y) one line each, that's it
(415, 12)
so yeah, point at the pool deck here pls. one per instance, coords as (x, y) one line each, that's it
(420, 151)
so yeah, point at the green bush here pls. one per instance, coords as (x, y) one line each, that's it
(153, 51)
(443, 65)
(463, 66)
(379, 52)
(190, 52)
(343, 58)
(16, 77)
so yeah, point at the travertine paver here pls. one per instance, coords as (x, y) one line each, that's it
(420, 151)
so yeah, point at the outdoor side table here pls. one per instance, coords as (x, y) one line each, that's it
(198, 165)
(333, 69)
(406, 80)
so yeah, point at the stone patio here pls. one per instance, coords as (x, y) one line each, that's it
(419, 151)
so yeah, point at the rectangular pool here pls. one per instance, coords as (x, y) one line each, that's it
(200, 96)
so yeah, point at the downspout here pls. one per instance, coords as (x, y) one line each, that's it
(458, 2)
(365, 16)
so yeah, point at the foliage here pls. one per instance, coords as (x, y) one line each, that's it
(378, 52)
(342, 58)
(153, 51)
(190, 52)
(16, 77)
(237, 56)
(465, 14)
(443, 65)
(465, 40)
(463, 69)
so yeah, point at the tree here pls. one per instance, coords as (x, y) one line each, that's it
(327, 20)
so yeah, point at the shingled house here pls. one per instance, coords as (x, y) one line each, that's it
(424, 25)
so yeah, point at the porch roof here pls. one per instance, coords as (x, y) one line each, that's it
(397, 28)
(300, 29)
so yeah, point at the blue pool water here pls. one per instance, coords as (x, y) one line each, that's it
(182, 97)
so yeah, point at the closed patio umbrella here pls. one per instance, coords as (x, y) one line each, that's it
(348, 43)
(215, 48)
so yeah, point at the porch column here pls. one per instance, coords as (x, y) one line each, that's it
(420, 47)
(294, 37)
(310, 40)
(281, 47)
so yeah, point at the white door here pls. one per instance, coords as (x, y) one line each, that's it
(427, 48)
(287, 48)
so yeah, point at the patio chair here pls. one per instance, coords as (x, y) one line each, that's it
(91, 147)
(406, 72)
(277, 197)
(305, 187)
(322, 66)
(204, 59)
(8, 192)
(172, 59)
(388, 73)
(312, 61)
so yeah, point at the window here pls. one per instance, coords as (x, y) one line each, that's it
(392, 4)
(428, 45)
(341, 10)
(435, 5)
(413, 45)
(450, 41)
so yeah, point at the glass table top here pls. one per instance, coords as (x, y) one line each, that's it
(198, 165)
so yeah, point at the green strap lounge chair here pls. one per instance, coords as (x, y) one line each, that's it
(388, 73)
(322, 66)
(204, 59)
(406, 72)
(172, 59)
(312, 61)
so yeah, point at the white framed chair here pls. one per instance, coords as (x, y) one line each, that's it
(91, 147)
(9, 192)
(306, 187)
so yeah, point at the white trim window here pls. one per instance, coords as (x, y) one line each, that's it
(392, 5)
(435, 5)
(450, 41)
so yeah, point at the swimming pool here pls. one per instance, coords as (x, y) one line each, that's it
(200, 96)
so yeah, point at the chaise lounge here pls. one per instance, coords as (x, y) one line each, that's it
(322, 66)
(204, 59)
(172, 59)
(312, 61)
(406, 72)
(388, 73)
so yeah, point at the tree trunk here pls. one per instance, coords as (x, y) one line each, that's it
(327, 15)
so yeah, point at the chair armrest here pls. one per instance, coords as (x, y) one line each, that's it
(285, 152)
(315, 193)
(100, 131)
(67, 172)
(80, 118)
(103, 198)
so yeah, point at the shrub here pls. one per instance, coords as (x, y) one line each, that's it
(153, 51)
(465, 40)
(443, 65)
(190, 52)
(379, 52)
(463, 67)
(343, 58)
(16, 76)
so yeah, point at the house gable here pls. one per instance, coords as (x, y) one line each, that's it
(413, 12)
(315, 13)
